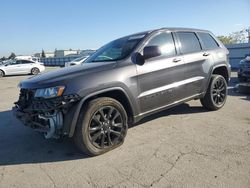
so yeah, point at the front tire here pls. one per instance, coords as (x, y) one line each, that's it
(101, 127)
(216, 94)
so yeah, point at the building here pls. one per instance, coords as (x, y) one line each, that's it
(87, 52)
(47, 54)
(63, 53)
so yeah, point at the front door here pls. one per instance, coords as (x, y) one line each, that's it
(13, 68)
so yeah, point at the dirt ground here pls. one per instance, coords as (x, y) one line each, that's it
(185, 146)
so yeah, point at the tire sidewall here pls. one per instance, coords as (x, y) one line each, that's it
(86, 120)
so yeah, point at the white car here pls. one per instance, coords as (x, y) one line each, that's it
(16, 67)
(76, 61)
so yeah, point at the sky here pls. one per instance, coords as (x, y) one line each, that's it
(28, 26)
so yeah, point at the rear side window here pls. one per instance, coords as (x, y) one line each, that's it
(189, 42)
(166, 43)
(208, 41)
(26, 62)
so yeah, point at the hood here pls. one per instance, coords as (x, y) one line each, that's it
(63, 75)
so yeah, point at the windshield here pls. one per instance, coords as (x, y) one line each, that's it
(116, 50)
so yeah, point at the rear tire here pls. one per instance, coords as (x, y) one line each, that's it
(35, 71)
(101, 127)
(216, 94)
(1, 73)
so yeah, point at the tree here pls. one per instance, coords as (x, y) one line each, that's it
(3, 58)
(226, 39)
(43, 54)
(12, 56)
(238, 36)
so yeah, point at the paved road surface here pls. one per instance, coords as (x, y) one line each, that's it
(182, 147)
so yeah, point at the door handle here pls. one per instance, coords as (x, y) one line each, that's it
(206, 54)
(175, 60)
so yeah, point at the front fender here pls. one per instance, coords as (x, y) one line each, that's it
(77, 108)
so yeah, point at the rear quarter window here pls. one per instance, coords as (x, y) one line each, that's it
(208, 41)
(189, 42)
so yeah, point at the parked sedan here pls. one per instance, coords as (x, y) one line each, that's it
(17, 67)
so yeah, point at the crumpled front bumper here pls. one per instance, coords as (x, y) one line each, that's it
(45, 115)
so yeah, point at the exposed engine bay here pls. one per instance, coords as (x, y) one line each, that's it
(44, 115)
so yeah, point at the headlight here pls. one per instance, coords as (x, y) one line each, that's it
(50, 92)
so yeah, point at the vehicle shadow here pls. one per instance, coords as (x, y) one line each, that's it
(21, 145)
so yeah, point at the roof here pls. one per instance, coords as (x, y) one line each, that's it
(170, 29)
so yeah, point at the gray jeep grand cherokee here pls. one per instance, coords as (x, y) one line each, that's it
(124, 81)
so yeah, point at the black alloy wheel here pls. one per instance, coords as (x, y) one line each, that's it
(219, 91)
(216, 93)
(101, 126)
(106, 127)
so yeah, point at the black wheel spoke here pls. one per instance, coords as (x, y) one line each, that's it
(102, 114)
(103, 140)
(115, 133)
(115, 116)
(110, 112)
(94, 129)
(97, 135)
(95, 118)
(117, 125)
(109, 139)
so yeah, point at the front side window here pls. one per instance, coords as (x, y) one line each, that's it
(208, 41)
(165, 42)
(189, 42)
(116, 50)
(15, 62)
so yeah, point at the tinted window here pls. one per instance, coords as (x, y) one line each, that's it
(189, 42)
(116, 50)
(208, 41)
(165, 42)
(26, 62)
(15, 62)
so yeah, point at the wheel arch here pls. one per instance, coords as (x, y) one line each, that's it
(116, 93)
(221, 70)
(2, 71)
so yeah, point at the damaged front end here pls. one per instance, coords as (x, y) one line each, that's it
(45, 115)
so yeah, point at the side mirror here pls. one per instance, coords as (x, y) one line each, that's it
(138, 59)
(151, 51)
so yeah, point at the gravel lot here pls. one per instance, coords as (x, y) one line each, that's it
(185, 146)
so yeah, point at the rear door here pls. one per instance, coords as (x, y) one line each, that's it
(26, 66)
(160, 77)
(197, 62)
